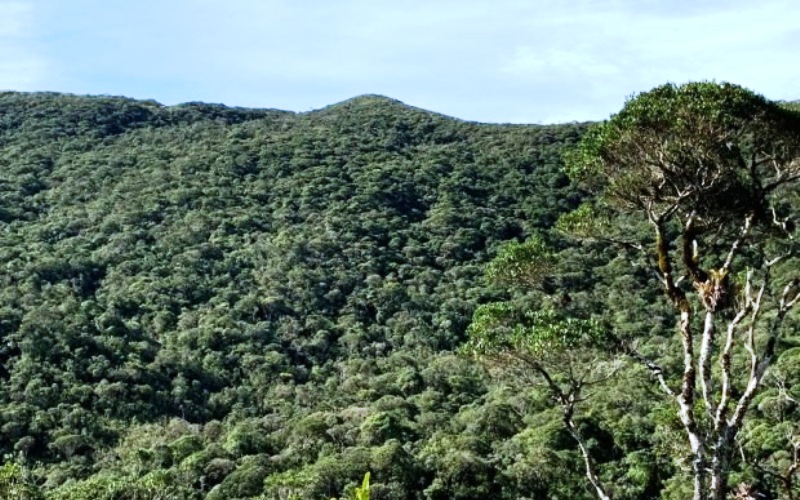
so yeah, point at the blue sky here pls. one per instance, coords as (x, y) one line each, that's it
(523, 61)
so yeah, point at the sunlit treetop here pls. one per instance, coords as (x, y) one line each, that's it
(718, 150)
(525, 263)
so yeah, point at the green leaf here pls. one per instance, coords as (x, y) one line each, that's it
(525, 263)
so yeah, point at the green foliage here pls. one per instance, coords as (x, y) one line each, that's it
(792, 105)
(586, 221)
(708, 166)
(245, 481)
(155, 485)
(501, 327)
(14, 485)
(521, 263)
(205, 301)
(188, 287)
(684, 143)
(535, 330)
(362, 493)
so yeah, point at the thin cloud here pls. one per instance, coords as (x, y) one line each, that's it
(607, 49)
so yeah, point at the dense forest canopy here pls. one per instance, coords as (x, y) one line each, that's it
(210, 302)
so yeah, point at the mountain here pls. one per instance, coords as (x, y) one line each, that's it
(206, 302)
(229, 302)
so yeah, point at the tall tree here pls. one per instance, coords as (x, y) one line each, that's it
(544, 344)
(713, 169)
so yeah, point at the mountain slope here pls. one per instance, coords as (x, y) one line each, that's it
(245, 270)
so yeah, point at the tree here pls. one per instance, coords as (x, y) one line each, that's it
(567, 355)
(15, 484)
(714, 170)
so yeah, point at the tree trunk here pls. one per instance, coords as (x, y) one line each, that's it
(719, 474)
(588, 461)
(699, 473)
(686, 406)
(705, 360)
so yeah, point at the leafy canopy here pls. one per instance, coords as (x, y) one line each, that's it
(500, 327)
(504, 327)
(715, 149)
(522, 263)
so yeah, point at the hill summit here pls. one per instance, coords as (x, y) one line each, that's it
(238, 300)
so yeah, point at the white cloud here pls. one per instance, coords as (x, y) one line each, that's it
(594, 53)
(20, 67)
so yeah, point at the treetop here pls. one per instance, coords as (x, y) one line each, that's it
(716, 147)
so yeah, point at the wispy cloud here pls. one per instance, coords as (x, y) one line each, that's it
(603, 49)
(20, 67)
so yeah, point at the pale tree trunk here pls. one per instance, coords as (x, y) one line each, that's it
(588, 461)
(568, 399)
(686, 397)
(707, 342)
(727, 429)
(711, 439)
(686, 414)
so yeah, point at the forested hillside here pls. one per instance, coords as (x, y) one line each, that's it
(210, 302)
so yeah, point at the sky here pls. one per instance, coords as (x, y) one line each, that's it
(517, 61)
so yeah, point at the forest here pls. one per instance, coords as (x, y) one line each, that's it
(209, 302)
